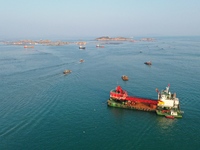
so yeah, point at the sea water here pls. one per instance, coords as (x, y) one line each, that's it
(40, 108)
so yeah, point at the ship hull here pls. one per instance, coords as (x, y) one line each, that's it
(135, 106)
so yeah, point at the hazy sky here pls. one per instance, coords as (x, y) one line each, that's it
(93, 18)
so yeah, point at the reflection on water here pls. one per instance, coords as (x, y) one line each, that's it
(166, 124)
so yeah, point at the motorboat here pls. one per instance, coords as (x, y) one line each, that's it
(124, 77)
(81, 47)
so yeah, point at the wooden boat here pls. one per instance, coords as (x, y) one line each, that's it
(148, 63)
(81, 60)
(125, 78)
(67, 71)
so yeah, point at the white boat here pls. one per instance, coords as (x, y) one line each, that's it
(99, 46)
(81, 47)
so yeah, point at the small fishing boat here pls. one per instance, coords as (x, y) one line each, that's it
(99, 46)
(67, 71)
(125, 78)
(148, 63)
(81, 47)
(81, 60)
(28, 46)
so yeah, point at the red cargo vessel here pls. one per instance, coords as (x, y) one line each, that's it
(120, 98)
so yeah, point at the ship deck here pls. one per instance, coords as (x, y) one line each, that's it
(132, 105)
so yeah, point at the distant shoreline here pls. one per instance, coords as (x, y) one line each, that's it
(107, 38)
(60, 43)
(43, 42)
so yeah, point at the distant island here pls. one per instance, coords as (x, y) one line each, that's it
(148, 39)
(107, 38)
(31, 43)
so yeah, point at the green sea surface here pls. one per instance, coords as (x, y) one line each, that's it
(40, 108)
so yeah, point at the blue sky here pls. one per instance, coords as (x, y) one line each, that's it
(93, 18)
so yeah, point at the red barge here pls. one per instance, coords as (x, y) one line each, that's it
(120, 98)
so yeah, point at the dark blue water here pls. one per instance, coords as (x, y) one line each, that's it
(40, 108)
